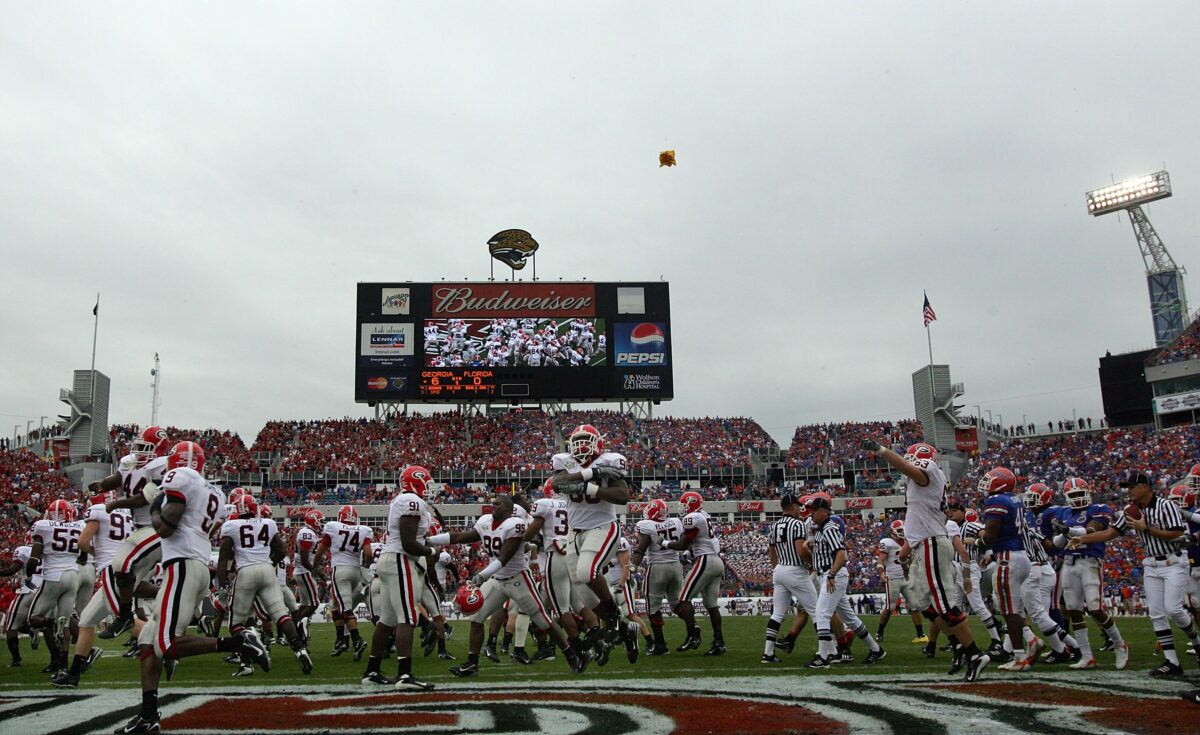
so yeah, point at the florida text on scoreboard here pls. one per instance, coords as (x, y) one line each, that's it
(508, 341)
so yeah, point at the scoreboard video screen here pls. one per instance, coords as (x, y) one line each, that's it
(502, 341)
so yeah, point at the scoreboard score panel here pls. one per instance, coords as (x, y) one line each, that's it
(503, 341)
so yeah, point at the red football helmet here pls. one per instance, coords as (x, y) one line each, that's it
(60, 511)
(415, 479)
(348, 515)
(998, 480)
(186, 454)
(237, 492)
(434, 528)
(152, 442)
(805, 511)
(245, 507)
(1038, 495)
(264, 511)
(314, 520)
(548, 489)
(897, 529)
(469, 599)
(921, 450)
(692, 501)
(655, 510)
(585, 443)
(1077, 493)
(1193, 477)
(970, 516)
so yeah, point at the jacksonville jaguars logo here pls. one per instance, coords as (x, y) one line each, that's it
(512, 247)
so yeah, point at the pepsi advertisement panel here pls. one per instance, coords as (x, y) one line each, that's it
(512, 342)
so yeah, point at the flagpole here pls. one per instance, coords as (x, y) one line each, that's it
(92, 403)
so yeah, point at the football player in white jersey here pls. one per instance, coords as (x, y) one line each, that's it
(594, 482)
(547, 529)
(102, 534)
(137, 480)
(305, 570)
(347, 543)
(55, 548)
(17, 616)
(704, 578)
(402, 567)
(254, 544)
(617, 575)
(664, 574)
(183, 516)
(506, 577)
(887, 561)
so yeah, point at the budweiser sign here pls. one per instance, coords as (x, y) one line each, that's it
(514, 300)
(751, 505)
(859, 503)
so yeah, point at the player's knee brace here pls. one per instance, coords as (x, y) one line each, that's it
(954, 616)
(930, 613)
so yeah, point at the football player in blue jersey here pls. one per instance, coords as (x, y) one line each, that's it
(1081, 570)
(1003, 533)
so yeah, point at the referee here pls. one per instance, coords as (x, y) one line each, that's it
(791, 577)
(1160, 528)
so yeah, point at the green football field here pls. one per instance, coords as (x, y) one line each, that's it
(743, 635)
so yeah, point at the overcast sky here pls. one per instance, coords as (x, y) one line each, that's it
(226, 176)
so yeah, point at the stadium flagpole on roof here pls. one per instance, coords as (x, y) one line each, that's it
(95, 333)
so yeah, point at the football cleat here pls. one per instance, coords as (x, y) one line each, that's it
(718, 649)
(1122, 651)
(1167, 670)
(254, 650)
(407, 681)
(92, 657)
(818, 662)
(118, 626)
(545, 653)
(629, 635)
(692, 641)
(244, 670)
(138, 724)
(1192, 696)
(14, 664)
(446, 656)
(1002, 657)
(133, 651)
(340, 647)
(996, 649)
(960, 660)
(874, 656)
(929, 650)
(304, 660)
(377, 679)
(464, 670)
(233, 658)
(51, 668)
(1060, 657)
(948, 647)
(785, 644)
(520, 656)
(602, 650)
(1084, 663)
(359, 648)
(65, 680)
(428, 645)
(1108, 645)
(489, 652)
(658, 650)
(169, 666)
(578, 660)
(770, 659)
(845, 656)
(975, 666)
(205, 624)
(922, 639)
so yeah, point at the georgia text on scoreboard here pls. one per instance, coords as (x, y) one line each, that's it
(507, 341)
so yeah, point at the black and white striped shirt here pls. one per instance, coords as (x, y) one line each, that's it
(1033, 544)
(825, 544)
(970, 531)
(782, 537)
(1163, 514)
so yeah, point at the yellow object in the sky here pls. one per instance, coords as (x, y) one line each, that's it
(666, 158)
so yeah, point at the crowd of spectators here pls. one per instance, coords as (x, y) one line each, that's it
(1184, 347)
(27, 485)
(817, 446)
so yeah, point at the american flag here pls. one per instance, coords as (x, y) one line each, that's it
(927, 312)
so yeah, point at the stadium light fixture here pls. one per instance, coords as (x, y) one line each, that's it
(1129, 193)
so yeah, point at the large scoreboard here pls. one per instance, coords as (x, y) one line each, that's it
(504, 341)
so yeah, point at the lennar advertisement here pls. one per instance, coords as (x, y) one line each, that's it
(387, 344)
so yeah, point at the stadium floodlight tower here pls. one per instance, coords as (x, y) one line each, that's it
(1164, 279)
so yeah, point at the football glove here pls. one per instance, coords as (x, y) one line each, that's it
(871, 445)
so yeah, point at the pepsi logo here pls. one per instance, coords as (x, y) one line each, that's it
(648, 337)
